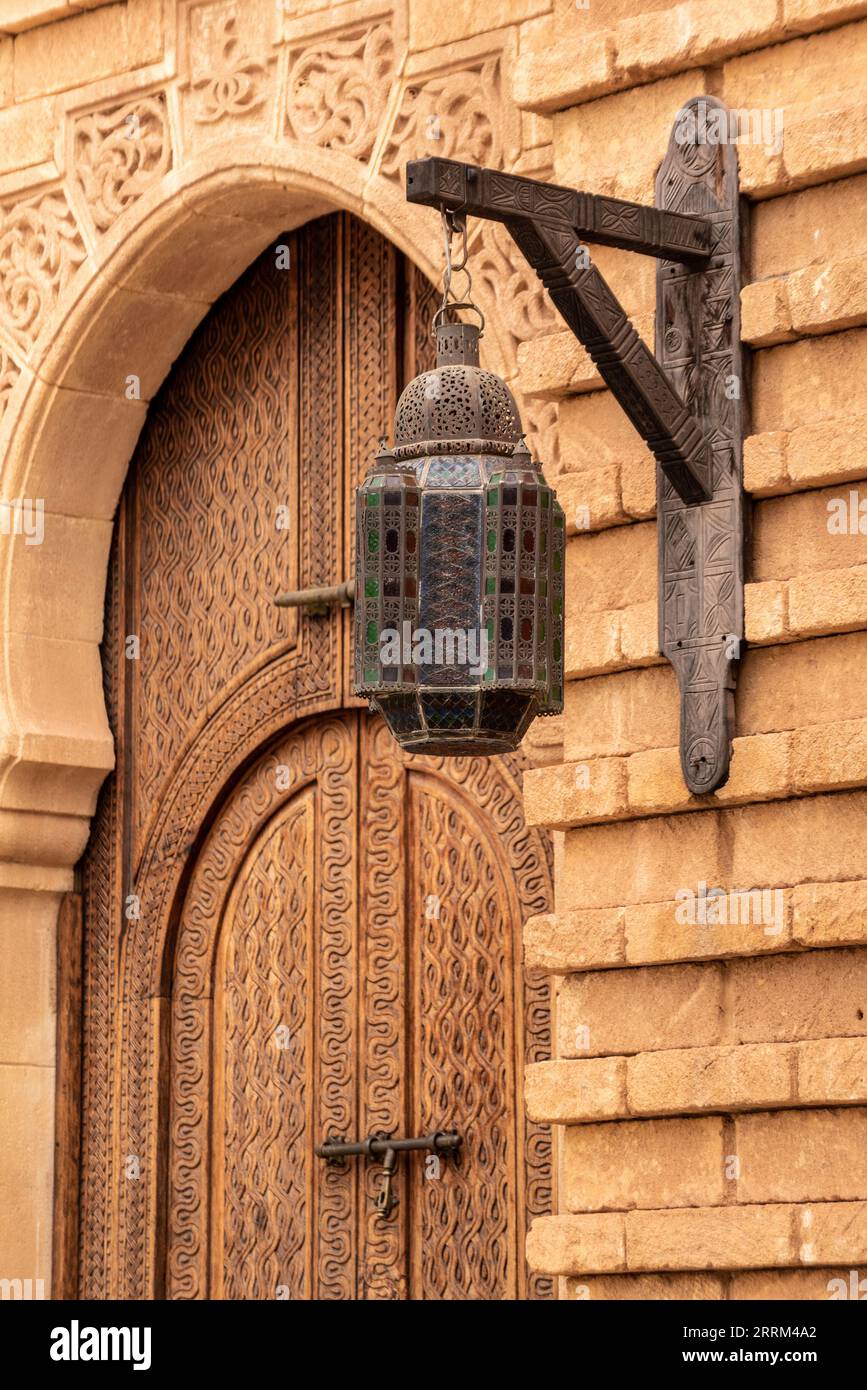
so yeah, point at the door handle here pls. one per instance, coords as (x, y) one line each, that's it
(387, 1148)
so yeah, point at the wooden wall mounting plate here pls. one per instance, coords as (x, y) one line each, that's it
(701, 544)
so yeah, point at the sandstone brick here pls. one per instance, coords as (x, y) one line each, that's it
(796, 535)
(830, 914)
(560, 942)
(813, 380)
(802, 1155)
(570, 1092)
(644, 1163)
(808, 839)
(553, 365)
(429, 26)
(766, 611)
(833, 1233)
(639, 640)
(572, 1244)
(594, 430)
(640, 861)
(86, 47)
(710, 1238)
(591, 499)
(815, 14)
(833, 601)
(638, 487)
(575, 792)
(787, 1285)
(592, 643)
(827, 452)
(656, 933)
(26, 134)
(709, 1078)
(797, 71)
(759, 771)
(782, 998)
(830, 144)
(812, 227)
(765, 313)
(703, 31)
(564, 72)
(643, 1287)
(646, 1009)
(765, 463)
(828, 298)
(832, 1070)
(799, 683)
(595, 145)
(608, 717)
(825, 756)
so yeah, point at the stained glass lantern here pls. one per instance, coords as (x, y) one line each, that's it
(459, 565)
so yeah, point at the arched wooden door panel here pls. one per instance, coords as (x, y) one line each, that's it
(365, 978)
(290, 929)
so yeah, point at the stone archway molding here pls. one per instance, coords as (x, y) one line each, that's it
(70, 428)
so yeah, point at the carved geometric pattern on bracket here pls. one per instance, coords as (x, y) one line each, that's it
(701, 624)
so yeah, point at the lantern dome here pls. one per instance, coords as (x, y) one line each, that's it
(457, 407)
(459, 566)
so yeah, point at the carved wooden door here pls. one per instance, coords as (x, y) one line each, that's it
(292, 930)
(368, 980)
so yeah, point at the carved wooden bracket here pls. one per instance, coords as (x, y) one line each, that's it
(687, 401)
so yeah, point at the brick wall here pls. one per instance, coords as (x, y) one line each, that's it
(711, 1078)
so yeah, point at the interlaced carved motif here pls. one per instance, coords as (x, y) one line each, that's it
(337, 91)
(236, 87)
(40, 247)
(119, 153)
(454, 115)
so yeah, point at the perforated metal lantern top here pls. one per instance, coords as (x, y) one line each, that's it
(459, 566)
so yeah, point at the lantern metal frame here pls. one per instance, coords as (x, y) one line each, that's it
(688, 401)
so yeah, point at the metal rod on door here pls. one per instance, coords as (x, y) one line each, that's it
(318, 600)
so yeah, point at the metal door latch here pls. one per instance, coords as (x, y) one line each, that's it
(384, 1146)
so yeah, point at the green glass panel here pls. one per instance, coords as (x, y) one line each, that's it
(372, 633)
(490, 673)
(490, 584)
(371, 675)
(492, 497)
(371, 588)
(546, 498)
(373, 541)
(556, 562)
(492, 540)
(371, 499)
(555, 649)
(558, 605)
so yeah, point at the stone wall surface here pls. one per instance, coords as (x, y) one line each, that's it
(710, 1080)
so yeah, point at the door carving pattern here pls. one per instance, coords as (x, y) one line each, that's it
(249, 885)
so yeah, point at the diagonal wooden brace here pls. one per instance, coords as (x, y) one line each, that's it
(547, 223)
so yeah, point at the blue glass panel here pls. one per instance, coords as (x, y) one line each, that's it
(454, 472)
(451, 585)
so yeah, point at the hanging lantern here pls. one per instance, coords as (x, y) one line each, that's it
(459, 563)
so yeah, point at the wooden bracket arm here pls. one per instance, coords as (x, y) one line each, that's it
(543, 220)
(479, 192)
